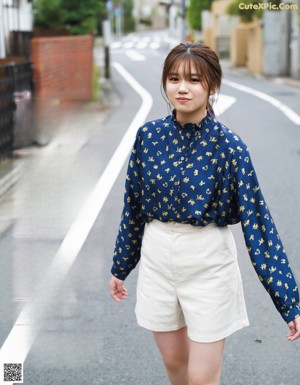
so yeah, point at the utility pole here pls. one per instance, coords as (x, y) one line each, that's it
(182, 21)
(107, 39)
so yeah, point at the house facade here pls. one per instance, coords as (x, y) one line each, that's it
(16, 21)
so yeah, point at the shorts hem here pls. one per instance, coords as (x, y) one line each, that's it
(159, 328)
(219, 337)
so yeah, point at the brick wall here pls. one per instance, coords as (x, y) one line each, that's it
(63, 67)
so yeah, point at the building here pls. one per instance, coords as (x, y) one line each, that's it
(150, 13)
(16, 23)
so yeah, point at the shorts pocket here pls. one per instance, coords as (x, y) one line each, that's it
(228, 240)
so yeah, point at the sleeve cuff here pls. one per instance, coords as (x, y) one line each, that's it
(118, 274)
(291, 314)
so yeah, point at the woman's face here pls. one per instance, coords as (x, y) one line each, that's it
(187, 95)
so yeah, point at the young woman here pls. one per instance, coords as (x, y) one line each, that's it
(189, 177)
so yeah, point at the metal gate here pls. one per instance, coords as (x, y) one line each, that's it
(7, 107)
(16, 88)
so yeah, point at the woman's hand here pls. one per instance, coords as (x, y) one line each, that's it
(117, 289)
(294, 329)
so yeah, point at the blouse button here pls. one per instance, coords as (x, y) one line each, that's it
(182, 158)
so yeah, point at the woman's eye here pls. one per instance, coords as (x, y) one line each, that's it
(173, 79)
(195, 80)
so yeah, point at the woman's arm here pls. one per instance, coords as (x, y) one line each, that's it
(263, 242)
(131, 229)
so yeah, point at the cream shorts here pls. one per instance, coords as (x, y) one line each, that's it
(189, 276)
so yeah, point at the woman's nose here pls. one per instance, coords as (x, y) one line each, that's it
(183, 86)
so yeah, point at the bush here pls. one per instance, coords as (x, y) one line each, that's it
(146, 21)
(79, 20)
(194, 12)
(246, 15)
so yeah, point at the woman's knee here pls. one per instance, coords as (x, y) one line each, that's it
(175, 363)
(203, 377)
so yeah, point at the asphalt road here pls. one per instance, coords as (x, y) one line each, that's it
(87, 338)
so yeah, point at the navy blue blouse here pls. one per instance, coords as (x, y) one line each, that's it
(199, 174)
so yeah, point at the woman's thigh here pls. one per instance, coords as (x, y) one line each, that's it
(173, 345)
(205, 362)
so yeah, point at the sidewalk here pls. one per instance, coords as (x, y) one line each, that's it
(284, 80)
(43, 175)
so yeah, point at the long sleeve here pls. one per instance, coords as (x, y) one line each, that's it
(129, 239)
(262, 240)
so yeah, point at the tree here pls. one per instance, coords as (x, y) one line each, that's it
(48, 14)
(247, 12)
(194, 12)
(78, 16)
(129, 21)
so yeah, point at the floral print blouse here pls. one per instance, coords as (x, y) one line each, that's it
(199, 174)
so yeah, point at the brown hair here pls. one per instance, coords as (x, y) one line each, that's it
(205, 61)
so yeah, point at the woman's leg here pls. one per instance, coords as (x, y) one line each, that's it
(205, 362)
(174, 349)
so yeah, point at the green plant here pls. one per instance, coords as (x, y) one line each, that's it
(128, 19)
(146, 21)
(79, 17)
(48, 14)
(246, 10)
(194, 12)
(95, 82)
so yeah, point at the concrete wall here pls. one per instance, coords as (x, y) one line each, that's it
(247, 47)
(295, 45)
(63, 67)
(255, 48)
(219, 34)
(238, 46)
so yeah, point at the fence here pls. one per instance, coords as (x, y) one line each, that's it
(15, 88)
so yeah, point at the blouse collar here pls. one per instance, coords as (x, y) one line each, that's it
(208, 119)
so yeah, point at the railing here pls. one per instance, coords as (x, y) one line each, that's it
(15, 88)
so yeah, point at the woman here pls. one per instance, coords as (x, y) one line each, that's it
(189, 177)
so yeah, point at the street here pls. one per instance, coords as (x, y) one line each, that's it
(75, 333)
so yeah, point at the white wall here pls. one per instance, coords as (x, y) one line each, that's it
(14, 19)
(26, 16)
(2, 34)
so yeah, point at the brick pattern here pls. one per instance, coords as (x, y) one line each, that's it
(63, 67)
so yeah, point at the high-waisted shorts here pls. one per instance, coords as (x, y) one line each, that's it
(189, 276)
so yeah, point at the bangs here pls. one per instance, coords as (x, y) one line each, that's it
(192, 65)
(195, 60)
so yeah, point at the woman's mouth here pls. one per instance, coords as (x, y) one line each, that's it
(183, 100)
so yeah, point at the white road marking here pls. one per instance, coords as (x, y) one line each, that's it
(115, 45)
(287, 111)
(128, 45)
(134, 55)
(222, 104)
(154, 45)
(141, 45)
(29, 323)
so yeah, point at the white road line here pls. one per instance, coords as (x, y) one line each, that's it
(141, 45)
(128, 45)
(134, 55)
(154, 45)
(287, 111)
(26, 328)
(222, 104)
